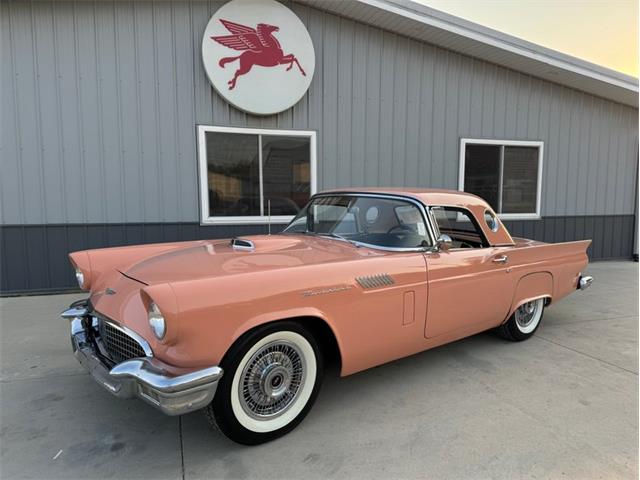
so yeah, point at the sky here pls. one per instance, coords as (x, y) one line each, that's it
(604, 32)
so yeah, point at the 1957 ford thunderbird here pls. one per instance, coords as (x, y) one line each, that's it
(241, 327)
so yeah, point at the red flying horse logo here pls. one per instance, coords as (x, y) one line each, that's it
(261, 48)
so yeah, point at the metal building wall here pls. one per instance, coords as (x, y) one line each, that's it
(100, 102)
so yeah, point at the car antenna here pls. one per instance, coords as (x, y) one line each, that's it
(269, 215)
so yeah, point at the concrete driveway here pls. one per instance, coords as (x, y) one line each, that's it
(563, 404)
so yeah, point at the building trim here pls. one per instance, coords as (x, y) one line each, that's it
(426, 24)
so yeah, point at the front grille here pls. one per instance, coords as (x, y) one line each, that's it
(118, 345)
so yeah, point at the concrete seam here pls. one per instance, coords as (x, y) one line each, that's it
(181, 446)
(587, 355)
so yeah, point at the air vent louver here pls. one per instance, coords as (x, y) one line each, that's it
(375, 281)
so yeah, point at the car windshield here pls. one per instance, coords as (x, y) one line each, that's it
(384, 222)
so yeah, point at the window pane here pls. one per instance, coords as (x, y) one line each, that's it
(482, 172)
(375, 221)
(233, 174)
(286, 173)
(520, 180)
(460, 226)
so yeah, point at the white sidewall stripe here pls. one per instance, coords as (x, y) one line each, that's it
(301, 399)
(536, 319)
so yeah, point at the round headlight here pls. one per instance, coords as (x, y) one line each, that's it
(156, 321)
(80, 278)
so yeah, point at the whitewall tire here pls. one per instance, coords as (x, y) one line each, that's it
(524, 321)
(272, 377)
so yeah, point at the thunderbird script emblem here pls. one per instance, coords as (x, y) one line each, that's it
(259, 45)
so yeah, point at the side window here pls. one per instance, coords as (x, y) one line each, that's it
(460, 225)
(409, 218)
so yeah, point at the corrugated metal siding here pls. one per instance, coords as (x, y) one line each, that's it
(101, 102)
(34, 257)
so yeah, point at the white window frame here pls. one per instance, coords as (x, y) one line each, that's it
(506, 143)
(204, 182)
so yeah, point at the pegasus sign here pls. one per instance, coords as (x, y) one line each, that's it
(249, 50)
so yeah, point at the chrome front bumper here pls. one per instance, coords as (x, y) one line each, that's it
(147, 377)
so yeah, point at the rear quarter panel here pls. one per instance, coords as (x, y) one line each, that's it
(546, 270)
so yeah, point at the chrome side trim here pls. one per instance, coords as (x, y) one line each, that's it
(375, 281)
(127, 331)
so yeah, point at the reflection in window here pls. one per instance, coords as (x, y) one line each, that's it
(286, 173)
(255, 175)
(519, 180)
(370, 220)
(482, 172)
(233, 173)
(506, 176)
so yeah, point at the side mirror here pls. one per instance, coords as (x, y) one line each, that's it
(443, 243)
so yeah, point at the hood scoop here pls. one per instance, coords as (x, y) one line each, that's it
(242, 244)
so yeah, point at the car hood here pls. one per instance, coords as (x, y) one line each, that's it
(210, 258)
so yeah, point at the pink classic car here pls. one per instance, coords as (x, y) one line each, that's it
(241, 328)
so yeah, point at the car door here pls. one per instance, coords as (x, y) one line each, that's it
(470, 286)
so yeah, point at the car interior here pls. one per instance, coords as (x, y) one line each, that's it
(460, 225)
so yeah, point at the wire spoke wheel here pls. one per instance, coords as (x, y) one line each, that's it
(527, 316)
(524, 321)
(273, 375)
(271, 380)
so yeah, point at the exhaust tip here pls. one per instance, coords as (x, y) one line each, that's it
(585, 282)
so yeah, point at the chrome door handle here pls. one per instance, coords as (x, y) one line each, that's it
(501, 259)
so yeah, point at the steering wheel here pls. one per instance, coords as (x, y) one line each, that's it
(402, 228)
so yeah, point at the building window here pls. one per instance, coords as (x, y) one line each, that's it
(254, 175)
(506, 173)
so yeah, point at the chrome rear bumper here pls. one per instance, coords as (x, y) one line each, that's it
(584, 282)
(146, 377)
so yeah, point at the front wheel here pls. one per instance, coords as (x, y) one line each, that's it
(272, 377)
(524, 321)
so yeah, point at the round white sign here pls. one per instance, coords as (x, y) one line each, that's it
(258, 55)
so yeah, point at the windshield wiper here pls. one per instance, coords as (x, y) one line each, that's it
(339, 237)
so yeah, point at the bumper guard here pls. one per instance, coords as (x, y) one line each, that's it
(146, 377)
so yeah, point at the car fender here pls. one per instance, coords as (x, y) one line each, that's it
(532, 287)
(279, 315)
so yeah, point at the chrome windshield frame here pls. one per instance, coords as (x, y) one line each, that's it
(422, 208)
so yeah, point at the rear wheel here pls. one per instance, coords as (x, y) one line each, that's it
(524, 321)
(272, 377)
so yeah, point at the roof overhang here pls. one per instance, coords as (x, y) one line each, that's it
(438, 28)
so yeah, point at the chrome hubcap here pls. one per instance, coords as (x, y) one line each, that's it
(526, 313)
(271, 380)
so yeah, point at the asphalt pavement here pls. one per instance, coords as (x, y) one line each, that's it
(563, 404)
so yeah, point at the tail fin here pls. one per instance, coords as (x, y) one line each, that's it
(225, 60)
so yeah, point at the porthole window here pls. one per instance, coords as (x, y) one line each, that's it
(491, 220)
(372, 215)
